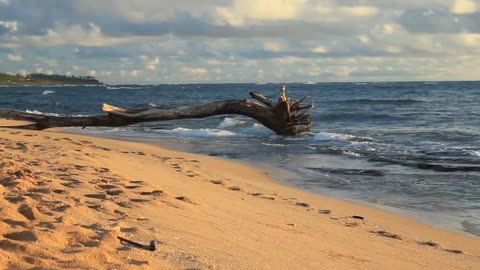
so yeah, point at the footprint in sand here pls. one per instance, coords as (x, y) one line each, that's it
(387, 234)
(96, 207)
(217, 182)
(71, 183)
(136, 182)
(133, 186)
(154, 192)
(28, 212)
(81, 167)
(235, 188)
(15, 223)
(140, 200)
(59, 191)
(455, 251)
(107, 186)
(185, 199)
(48, 225)
(39, 190)
(27, 236)
(302, 204)
(102, 170)
(351, 224)
(114, 192)
(428, 243)
(101, 196)
(123, 204)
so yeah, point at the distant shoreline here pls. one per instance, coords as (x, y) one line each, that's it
(39, 79)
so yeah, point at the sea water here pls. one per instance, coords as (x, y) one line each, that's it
(410, 147)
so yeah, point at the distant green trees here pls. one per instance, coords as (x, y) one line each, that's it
(45, 79)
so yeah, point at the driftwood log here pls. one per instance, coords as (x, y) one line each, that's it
(285, 117)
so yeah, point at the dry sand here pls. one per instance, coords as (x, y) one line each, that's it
(65, 198)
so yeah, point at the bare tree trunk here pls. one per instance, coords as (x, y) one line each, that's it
(285, 117)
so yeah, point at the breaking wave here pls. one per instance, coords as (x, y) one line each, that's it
(48, 92)
(327, 136)
(124, 87)
(202, 132)
(231, 122)
(474, 153)
(39, 112)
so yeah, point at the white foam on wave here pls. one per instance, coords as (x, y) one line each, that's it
(231, 122)
(474, 153)
(326, 136)
(352, 154)
(202, 132)
(253, 131)
(48, 92)
(56, 114)
(34, 111)
(274, 144)
(123, 87)
(256, 129)
(39, 112)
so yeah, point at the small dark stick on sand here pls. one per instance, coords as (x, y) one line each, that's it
(151, 247)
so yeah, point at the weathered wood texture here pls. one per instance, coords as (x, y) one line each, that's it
(285, 117)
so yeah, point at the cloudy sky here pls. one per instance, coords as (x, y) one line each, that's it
(165, 41)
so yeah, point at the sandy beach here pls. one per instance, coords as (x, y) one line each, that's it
(65, 198)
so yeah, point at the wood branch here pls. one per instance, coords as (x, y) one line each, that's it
(277, 117)
(263, 99)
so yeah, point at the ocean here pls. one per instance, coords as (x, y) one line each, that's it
(408, 147)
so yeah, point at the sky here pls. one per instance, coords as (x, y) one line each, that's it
(215, 41)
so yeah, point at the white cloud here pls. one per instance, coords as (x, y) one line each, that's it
(389, 28)
(12, 26)
(464, 6)
(360, 11)
(364, 39)
(393, 49)
(196, 71)
(266, 10)
(213, 62)
(150, 63)
(92, 72)
(76, 34)
(15, 57)
(134, 73)
(471, 39)
(320, 49)
(273, 46)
